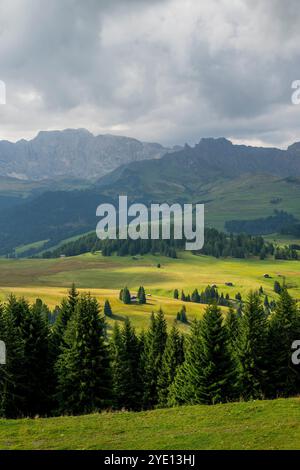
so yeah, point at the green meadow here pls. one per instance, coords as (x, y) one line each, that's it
(252, 425)
(49, 279)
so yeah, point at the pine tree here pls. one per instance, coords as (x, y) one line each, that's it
(252, 349)
(141, 296)
(284, 377)
(73, 297)
(185, 387)
(181, 316)
(266, 302)
(66, 310)
(172, 358)
(155, 341)
(17, 308)
(195, 296)
(127, 383)
(176, 294)
(277, 287)
(207, 374)
(83, 367)
(126, 297)
(121, 295)
(12, 374)
(37, 382)
(216, 376)
(107, 309)
(232, 327)
(116, 354)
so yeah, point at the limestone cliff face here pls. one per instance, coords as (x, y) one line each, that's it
(72, 154)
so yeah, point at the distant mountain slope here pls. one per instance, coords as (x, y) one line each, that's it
(235, 182)
(72, 153)
(210, 160)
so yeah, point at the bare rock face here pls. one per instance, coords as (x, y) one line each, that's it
(72, 153)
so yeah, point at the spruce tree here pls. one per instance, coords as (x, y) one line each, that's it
(84, 382)
(252, 349)
(17, 309)
(217, 376)
(116, 354)
(182, 316)
(284, 376)
(127, 383)
(172, 358)
(73, 297)
(12, 397)
(121, 295)
(155, 341)
(266, 302)
(232, 327)
(107, 309)
(195, 296)
(207, 374)
(277, 287)
(66, 310)
(126, 297)
(38, 381)
(141, 296)
(185, 386)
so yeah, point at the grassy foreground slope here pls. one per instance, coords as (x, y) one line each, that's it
(253, 425)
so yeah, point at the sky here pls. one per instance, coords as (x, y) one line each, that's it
(168, 71)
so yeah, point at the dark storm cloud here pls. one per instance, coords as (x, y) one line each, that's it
(170, 71)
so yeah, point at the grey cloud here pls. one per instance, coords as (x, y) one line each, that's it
(169, 71)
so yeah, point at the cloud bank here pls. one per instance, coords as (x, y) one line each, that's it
(171, 71)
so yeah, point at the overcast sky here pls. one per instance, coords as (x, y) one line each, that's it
(170, 71)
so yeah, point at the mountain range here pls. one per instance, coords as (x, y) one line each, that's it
(210, 160)
(234, 182)
(72, 153)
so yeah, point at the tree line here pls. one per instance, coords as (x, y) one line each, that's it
(72, 365)
(217, 244)
(262, 226)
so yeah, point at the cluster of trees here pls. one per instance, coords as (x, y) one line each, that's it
(208, 296)
(217, 244)
(181, 315)
(71, 367)
(291, 229)
(262, 226)
(220, 244)
(90, 243)
(126, 297)
(286, 252)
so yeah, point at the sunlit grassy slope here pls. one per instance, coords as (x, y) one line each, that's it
(253, 425)
(105, 276)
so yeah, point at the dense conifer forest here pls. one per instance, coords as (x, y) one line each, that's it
(217, 244)
(65, 362)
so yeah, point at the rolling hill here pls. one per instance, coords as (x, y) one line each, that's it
(50, 279)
